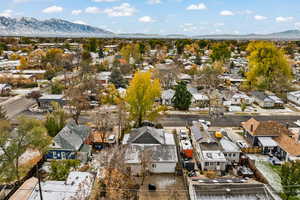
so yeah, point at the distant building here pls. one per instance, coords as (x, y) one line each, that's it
(263, 100)
(5, 89)
(294, 97)
(46, 100)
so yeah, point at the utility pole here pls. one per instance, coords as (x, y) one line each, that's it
(39, 182)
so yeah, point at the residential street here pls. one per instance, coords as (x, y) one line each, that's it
(225, 121)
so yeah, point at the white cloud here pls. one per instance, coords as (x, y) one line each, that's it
(154, 1)
(226, 13)
(284, 19)
(92, 10)
(76, 12)
(80, 22)
(104, 0)
(146, 19)
(260, 17)
(6, 13)
(297, 25)
(125, 9)
(53, 9)
(200, 6)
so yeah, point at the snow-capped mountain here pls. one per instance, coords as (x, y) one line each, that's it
(26, 26)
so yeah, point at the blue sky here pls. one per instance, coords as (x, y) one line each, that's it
(190, 17)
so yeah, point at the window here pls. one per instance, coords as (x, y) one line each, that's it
(206, 163)
(229, 154)
(233, 154)
(225, 154)
(153, 165)
(218, 163)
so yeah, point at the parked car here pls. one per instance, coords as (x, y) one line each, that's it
(274, 160)
(242, 144)
(183, 135)
(205, 122)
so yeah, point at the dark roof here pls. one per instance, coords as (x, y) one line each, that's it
(261, 95)
(72, 136)
(147, 135)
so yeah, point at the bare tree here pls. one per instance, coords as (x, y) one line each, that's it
(145, 159)
(104, 123)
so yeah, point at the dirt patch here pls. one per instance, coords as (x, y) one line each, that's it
(167, 187)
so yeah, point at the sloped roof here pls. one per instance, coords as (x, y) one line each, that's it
(72, 136)
(147, 135)
(289, 145)
(265, 128)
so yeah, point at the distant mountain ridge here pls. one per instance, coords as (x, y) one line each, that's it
(28, 26)
(31, 26)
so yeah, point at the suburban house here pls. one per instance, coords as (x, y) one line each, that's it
(166, 97)
(5, 89)
(263, 100)
(239, 98)
(208, 152)
(278, 103)
(71, 143)
(230, 150)
(288, 148)
(160, 145)
(77, 186)
(45, 101)
(267, 135)
(200, 100)
(103, 77)
(294, 97)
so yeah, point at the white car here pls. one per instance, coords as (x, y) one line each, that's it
(207, 123)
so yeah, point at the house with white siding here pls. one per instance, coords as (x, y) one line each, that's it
(160, 145)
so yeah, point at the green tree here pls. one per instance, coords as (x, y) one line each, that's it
(268, 67)
(93, 45)
(220, 52)
(30, 134)
(182, 98)
(57, 88)
(56, 120)
(117, 78)
(60, 169)
(141, 95)
(290, 179)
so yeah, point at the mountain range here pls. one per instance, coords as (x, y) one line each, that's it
(28, 26)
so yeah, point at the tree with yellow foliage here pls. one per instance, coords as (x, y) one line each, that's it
(141, 95)
(268, 67)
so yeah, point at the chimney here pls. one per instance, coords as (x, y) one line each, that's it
(287, 125)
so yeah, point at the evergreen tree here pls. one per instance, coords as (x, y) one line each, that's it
(116, 78)
(182, 98)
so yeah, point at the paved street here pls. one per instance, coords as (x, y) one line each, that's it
(225, 121)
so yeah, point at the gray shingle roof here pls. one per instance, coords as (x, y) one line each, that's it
(147, 135)
(72, 136)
